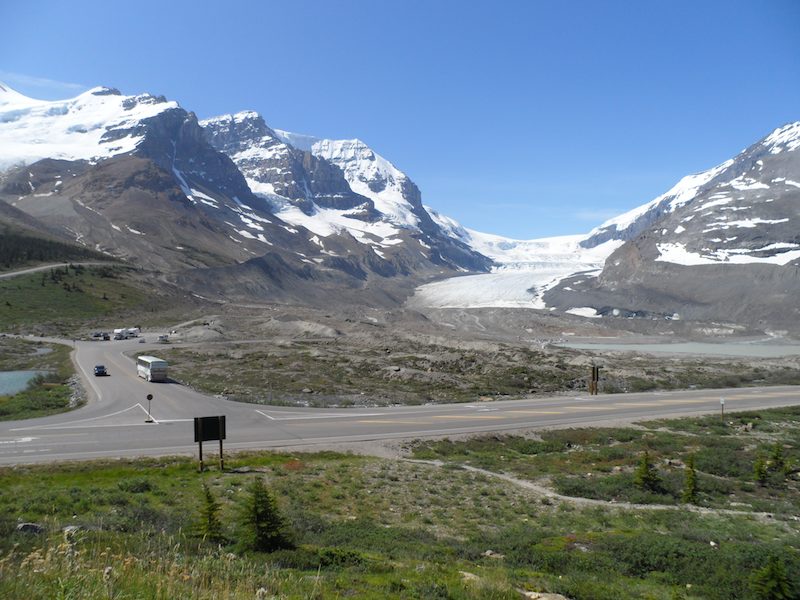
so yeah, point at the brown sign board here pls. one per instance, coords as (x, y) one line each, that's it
(209, 428)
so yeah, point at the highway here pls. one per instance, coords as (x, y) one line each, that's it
(113, 422)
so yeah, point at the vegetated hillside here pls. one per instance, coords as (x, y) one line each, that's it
(19, 248)
(339, 525)
(68, 301)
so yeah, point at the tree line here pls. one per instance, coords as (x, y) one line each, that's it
(17, 249)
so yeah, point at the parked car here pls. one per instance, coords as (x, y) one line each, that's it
(100, 371)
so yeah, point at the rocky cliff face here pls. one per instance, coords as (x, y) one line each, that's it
(279, 169)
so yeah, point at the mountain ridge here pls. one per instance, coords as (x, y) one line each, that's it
(274, 214)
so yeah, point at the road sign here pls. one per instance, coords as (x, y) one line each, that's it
(209, 428)
(149, 418)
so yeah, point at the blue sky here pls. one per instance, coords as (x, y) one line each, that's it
(525, 119)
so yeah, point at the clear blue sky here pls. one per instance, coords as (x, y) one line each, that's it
(525, 119)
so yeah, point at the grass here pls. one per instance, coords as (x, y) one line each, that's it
(600, 463)
(48, 393)
(379, 528)
(55, 302)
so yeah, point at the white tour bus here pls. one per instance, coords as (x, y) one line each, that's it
(151, 368)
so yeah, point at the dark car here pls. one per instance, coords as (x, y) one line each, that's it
(100, 371)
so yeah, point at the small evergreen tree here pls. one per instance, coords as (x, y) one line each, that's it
(689, 494)
(262, 527)
(760, 471)
(646, 477)
(209, 526)
(777, 461)
(771, 582)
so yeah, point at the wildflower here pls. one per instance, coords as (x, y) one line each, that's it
(107, 573)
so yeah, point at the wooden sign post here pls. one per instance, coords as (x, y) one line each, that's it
(594, 381)
(210, 428)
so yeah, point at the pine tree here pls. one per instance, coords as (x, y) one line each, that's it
(771, 582)
(778, 462)
(689, 494)
(262, 527)
(209, 526)
(646, 477)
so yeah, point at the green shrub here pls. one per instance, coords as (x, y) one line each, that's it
(135, 486)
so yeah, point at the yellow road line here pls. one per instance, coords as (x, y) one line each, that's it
(682, 402)
(626, 404)
(457, 417)
(536, 412)
(744, 396)
(394, 422)
(586, 407)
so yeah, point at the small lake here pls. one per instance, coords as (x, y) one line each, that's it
(12, 382)
(743, 349)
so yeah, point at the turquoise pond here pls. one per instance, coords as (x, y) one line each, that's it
(12, 382)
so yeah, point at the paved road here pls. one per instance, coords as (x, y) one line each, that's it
(113, 422)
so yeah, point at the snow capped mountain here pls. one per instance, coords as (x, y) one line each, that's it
(746, 212)
(97, 124)
(132, 176)
(336, 187)
(721, 245)
(394, 195)
(739, 194)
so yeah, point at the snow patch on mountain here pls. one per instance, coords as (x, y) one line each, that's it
(328, 221)
(94, 125)
(786, 138)
(775, 254)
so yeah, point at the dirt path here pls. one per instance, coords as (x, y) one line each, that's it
(545, 492)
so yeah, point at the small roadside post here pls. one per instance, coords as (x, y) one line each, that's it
(209, 428)
(149, 418)
(722, 408)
